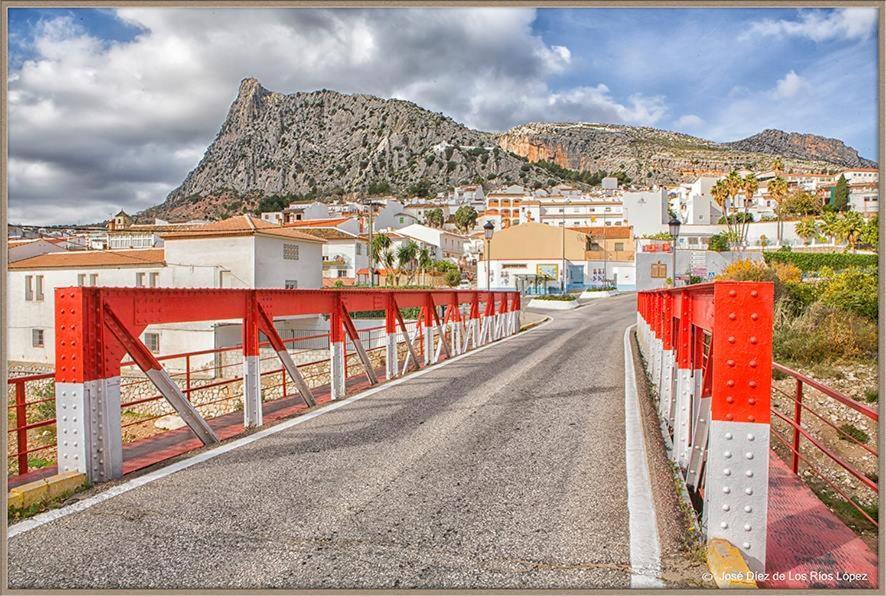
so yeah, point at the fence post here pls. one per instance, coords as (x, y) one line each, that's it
(391, 361)
(336, 351)
(21, 434)
(798, 410)
(428, 324)
(666, 393)
(737, 476)
(87, 394)
(252, 408)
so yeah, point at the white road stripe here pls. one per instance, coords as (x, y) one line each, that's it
(642, 524)
(54, 514)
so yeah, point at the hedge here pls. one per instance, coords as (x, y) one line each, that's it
(815, 261)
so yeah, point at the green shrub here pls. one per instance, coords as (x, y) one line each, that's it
(809, 261)
(854, 432)
(853, 290)
(824, 334)
(452, 278)
(871, 395)
(718, 243)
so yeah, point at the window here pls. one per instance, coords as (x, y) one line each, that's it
(37, 338)
(290, 252)
(152, 341)
(659, 270)
(359, 249)
(39, 286)
(619, 246)
(291, 284)
(155, 276)
(342, 273)
(139, 280)
(29, 287)
(93, 279)
(81, 279)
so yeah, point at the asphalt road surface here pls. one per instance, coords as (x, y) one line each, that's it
(505, 469)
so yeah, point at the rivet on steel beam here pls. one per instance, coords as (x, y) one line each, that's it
(749, 473)
(726, 490)
(730, 362)
(754, 316)
(726, 507)
(753, 339)
(748, 509)
(754, 293)
(732, 316)
(728, 435)
(748, 491)
(727, 472)
(751, 419)
(750, 437)
(724, 525)
(752, 364)
(729, 399)
(730, 383)
(746, 545)
(747, 527)
(731, 339)
(732, 293)
(752, 383)
(727, 454)
(752, 401)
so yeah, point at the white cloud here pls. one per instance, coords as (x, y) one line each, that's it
(790, 85)
(689, 121)
(121, 124)
(820, 25)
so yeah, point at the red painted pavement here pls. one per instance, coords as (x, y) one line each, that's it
(146, 452)
(807, 545)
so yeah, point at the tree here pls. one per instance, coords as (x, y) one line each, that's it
(425, 262)
(422, 188)
(777, 166)
(870, 235)
(733, 184)
(777, 190)
(807, 229)
(465, 218)
(749, 187)
(801, 202)
(434, 218)
(850, 229)
(379, 187)
(380, 243)
(841, 194)
(830, 225)
(407, 254)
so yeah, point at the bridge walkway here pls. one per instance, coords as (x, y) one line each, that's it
(501, 469)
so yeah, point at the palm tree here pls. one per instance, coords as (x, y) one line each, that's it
(387, 257)
(380, 243)
(850, 228)
(778, 190)
(749, 187)
(807, 229)
(425, 262)
(406, 256)
(777, 166)
(830, 226)
(733, 183)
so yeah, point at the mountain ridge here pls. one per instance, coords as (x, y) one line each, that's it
(316, 144)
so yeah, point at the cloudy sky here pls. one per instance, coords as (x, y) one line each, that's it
(110, 109)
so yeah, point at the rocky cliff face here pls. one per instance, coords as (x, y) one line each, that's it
(654, 156)
(328, 144)
(334, 144)
(803, 146)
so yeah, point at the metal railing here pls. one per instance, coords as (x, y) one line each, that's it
(28, 415)
(799, 435)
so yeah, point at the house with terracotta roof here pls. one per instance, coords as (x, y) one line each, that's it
(25, 249)
(239, 252)
(343, 253)
(344, 223)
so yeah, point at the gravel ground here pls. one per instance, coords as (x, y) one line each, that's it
(502, 470)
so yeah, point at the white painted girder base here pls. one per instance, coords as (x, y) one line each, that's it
(252, 410)
(88, 434)
(736, 487)
(337, 370)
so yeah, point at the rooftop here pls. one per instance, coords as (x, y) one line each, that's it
(240, 225)
(90, 259)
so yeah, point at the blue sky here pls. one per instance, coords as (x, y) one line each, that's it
(113, 107)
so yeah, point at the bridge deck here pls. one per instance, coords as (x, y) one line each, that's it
(504, 469)
(807, 543)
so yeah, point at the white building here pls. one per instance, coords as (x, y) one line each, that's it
(240, 252)
(646, 211)
(343, 253)
(301, 211)
(447, 245)
(860, 175)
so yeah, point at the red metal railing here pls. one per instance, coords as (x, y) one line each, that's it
(795, 423)
(22, 409)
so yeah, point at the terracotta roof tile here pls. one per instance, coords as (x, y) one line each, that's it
(83, 259)
(318, 223)
(240, 225)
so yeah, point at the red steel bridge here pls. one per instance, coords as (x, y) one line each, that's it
(707, 351)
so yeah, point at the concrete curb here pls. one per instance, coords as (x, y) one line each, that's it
(528, 326)
(552, 304)
(44, 490)
(727, 566)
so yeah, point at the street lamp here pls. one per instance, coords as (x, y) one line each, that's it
(488, 228)
(674, 227)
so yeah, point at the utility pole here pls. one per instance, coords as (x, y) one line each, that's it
(371, 264)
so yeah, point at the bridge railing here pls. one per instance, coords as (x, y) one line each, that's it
(708, 353)
(840, 472)
(98, 327)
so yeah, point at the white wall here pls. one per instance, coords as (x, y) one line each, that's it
(202, 262)
(646, 211)
(272, 270)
